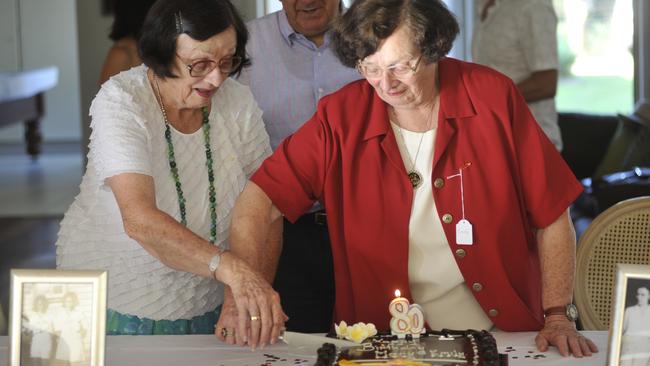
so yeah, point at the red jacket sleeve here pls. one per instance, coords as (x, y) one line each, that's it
(549, 186)
(293, 177)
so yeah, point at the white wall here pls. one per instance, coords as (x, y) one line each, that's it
(94, 43)
(250, 9)
(9, 57)
(46, 36)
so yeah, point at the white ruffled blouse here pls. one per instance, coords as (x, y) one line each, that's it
(128, 136)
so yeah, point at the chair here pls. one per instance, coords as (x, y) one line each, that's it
(621, 234)
(629, 147)
(586, 140)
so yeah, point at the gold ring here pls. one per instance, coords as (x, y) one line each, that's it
(255, 317)
(225, 332)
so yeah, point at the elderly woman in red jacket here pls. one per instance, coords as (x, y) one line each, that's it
(436, 180)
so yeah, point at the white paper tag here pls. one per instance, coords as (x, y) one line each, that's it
(464, 233)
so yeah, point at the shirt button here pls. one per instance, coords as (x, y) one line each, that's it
(477, 286)
(461, 253)
(447, 218)
(439, 183)
(320, 90)
(493, 312)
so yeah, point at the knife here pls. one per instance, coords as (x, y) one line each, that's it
(307, 344)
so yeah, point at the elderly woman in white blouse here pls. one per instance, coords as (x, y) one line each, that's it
(173, 143)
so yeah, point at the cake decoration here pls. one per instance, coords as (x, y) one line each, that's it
(356, 333)
(406, 318)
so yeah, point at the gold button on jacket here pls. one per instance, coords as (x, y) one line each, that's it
(447, 218)
(493, 312)
(439, 183)
(461, 253)
(477, 286)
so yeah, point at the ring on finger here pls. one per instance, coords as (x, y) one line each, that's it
(255, 317)
(225, 332)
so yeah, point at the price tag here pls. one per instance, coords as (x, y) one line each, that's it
(464, 233)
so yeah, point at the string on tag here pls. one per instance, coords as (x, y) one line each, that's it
(464, 235)
(462, 190)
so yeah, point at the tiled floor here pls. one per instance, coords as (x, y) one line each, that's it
(44, 187)
(33, 197)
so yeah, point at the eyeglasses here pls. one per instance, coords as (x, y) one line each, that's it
(398, 71)
(203, 67)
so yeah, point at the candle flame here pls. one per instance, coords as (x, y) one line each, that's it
(398, 293)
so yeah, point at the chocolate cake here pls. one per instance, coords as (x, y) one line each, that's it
(439, 348)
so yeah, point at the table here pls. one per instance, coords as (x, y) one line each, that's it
(22, 99)
(205, 350)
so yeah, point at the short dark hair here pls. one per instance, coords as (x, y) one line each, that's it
(358, 32)
(128, 16)
(199, 19)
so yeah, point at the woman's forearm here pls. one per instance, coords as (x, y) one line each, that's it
(556, 248)
(256, 231)
(169, 241)
(159, 234)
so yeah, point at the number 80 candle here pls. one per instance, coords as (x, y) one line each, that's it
(406, 318)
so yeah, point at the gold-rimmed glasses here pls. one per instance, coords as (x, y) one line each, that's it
(203, 67)
(398, 71)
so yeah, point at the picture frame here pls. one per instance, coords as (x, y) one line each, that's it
(57, 317)
(629, 335)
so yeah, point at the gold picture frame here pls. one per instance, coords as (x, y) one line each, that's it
(629, 336)
(57, 317)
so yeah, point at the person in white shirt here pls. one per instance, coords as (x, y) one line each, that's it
(518, 38)
(39, 323)
(635, 347)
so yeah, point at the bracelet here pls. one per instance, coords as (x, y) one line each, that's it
(214, 264)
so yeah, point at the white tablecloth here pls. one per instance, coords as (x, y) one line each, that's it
(208, 351)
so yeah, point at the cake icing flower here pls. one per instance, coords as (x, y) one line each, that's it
(356, 333)
(341, 329)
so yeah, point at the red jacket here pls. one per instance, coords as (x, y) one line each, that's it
(347, 157)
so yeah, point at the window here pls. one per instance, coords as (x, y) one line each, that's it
(595, 39)
(272, 6)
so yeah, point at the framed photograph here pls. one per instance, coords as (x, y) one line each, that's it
(57, 317)
(629, 338)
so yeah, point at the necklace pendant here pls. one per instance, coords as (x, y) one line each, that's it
(415, 178)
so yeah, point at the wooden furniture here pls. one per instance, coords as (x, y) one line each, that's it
(30, 110)
(22, 100)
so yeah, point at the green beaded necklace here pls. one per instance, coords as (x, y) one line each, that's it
(174, 169)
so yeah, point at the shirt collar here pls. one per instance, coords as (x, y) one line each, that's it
(285, 28)
(455, 100)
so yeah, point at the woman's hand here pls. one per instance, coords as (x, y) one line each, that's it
(224, 330)
(561, 333)
(260, 318)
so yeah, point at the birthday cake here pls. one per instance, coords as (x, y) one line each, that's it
(444, 348)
